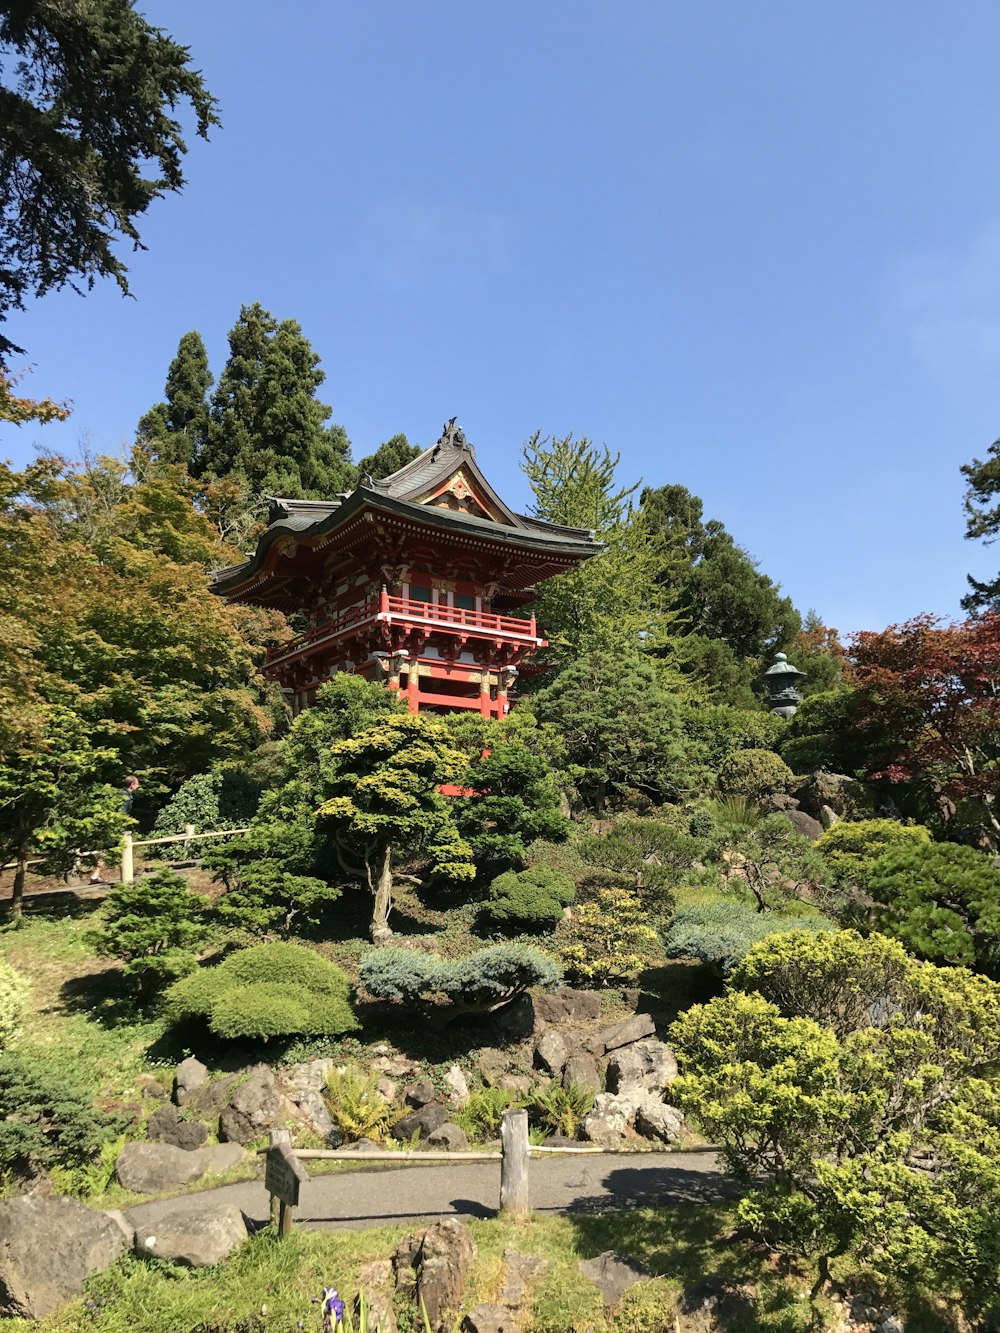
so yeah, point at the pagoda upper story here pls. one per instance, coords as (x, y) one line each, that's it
(411, 580)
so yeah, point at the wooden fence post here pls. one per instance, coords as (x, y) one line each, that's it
(514, 1197)
(276, 1137)
(128, 864)
(189, 832)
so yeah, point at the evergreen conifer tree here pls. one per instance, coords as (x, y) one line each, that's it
(388, 458)
(176, 430)
(982, 511)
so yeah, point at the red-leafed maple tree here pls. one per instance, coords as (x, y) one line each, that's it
(935, 692)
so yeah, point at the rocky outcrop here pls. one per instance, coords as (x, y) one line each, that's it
(253, 1108)
(648, 1064)
(583, 1069)
(433, 1268)
(48, 1248)
(155, 1168)
(166, 1125)
(621, 1034)
(191, 1235)
(805, 824)
(609, 1120)
(656, 1120)
(613, 1274)
(844, 796)
(566, 1005)
(551, 1052)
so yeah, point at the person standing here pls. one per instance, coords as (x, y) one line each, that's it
(129, 787)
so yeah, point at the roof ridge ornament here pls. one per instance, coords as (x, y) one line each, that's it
(453, 436)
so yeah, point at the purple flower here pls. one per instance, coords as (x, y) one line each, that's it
(333, 1306)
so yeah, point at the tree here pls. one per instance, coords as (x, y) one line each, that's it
(88, 137)
(388, 458)
(774, 861)
(930, 694)
(176, 431)
(19, 410)
(607, 939)
(386, 802)
(481, 983)
(982, 522)
(851, 847)
(155, 928)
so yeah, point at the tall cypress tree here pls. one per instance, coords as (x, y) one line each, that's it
(176, 431)
(268, 429)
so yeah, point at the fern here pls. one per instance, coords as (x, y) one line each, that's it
(559, 1110)
(356, 1105)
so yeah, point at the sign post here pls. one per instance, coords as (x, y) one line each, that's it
(282, 1177)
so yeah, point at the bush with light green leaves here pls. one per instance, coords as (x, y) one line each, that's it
(529, 900)
(14, 992)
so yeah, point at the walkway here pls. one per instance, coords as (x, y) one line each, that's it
(581, 1183)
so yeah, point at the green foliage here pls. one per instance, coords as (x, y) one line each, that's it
(223, 799)
(772, 859)
(529, 899)
(982, 514)
(940, 899)
(754, 774)
(608, 940)
(481, 1115)
(355, 1104)
(90, 140)
(622, 730)
(828, 732)
(481, 982)
(850, 846)
(14, 992)
(559, 1110)
(721, 731)
(46, 1118)
(388, 458)
(651, 855)
(721, 933)
(155, 926)
(176, 431)
(266, 991)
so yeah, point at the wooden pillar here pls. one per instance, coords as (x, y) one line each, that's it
(514, 1196)
(413, 689)
(128, 862)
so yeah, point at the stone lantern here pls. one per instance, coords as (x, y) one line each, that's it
(782, 696)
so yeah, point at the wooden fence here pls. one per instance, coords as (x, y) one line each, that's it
(129, 844)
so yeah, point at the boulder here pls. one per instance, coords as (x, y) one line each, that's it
(387, 1090)
(714, 1304)
(519, 1084)
(551, 1052)
(209, 1099)
(845, 796)
(423, 1122)
(656, 1120)
(450, 1137)
(154, 1168)
(621, 1034)
(609, 1120)
(192, 1235)
(613, 1274)
(420, 1093)
(166, 1126)
(584, 1070)
(310, 1076)
(805, 824)
(779, 800)
(517, 1019)
(626, 1069)
(828, 817)
(151, 1087)
(489, 1319)
(253, 1108)
(648, 1064)
(394, 1066)
(566, 1005)
(493, 1064)
(363, 1146)
(48, 1248)
(457, 1085)
(190, 1076)
(218, 1157)
(447, 1252)
(519, 1271)
(313, 1111)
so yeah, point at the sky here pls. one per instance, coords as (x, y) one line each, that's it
(754, 249)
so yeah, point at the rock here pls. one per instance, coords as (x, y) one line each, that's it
(551, 1052)
(493, 1064)
(209, 1100)
(48, 1248)
(609, 1039)
(313, 1110)
(718, 1304)
(631, 996)
(828, 817)
(489, 1319)
(519, 1084)
(394, 1066)
(153, 1168)
(458, 1088)
(447, 1252)
(519, 1271)
(310, 1076)
(517, 1020)
(657, 1120)
(608, 1122)
(218, 1157)
(846, 797)
(566, 1005)
(116, 1216)
(613, 1274)
(381, 1317)
(584, 1070)
(626, 1069)
(362, 1146)
(191, 1235)
(804, 824)
(386, 1089)
(646, 1064)
(253, 1108)
(450, 1137)
(422, 1122)
(420, 1093)
(166, 1126)
(780, 800)
(190, 1075)
(151, 1087)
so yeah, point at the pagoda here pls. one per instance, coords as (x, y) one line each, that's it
(412, 580)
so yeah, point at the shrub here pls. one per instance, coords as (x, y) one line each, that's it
(754, 774)
(480, 1116)
(13, 1003)
(482, 982)
(720, 934)
(723, 731)
(608, 939)
(209, 802)
(155, 927)
(651, 855)
(559, 1110)
(850, 847)
(530, 899)
(46, 1119)
(562, 856)
(355, 1103)
(270, 990)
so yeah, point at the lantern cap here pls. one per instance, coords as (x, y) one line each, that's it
(782, 667)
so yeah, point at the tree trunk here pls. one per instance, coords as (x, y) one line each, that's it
(17, 896)
(380, 930)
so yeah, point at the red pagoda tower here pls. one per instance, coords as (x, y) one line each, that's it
(410, 580)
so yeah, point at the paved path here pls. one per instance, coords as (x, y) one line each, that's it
(373, 1197)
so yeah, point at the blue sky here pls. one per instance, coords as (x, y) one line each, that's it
(754, 248)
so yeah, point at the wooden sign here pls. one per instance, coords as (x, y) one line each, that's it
(283, 1174)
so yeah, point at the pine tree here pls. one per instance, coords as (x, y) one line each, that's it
(982, 511)
(176, 431)
(388, 458)
(268, 428)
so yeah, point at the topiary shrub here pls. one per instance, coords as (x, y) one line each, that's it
(608, 940)
(270, 990)
(13, 1003)
(529, 899)
(754, 774)
(210, 802)
(481, 983)
(155, 927)
(850, 848)
(721, 934)
(46, 1119)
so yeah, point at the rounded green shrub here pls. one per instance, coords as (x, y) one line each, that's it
(13, 1003)
(851, 847)
(720, 934)
(270, 990)
(754, 774)
(529, 899)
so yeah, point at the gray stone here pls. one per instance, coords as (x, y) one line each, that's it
(48, 1248)
(422, 1122)
(613, 1274)
(519, 1084)
(609, 1121)
(165, 1125)
(191, 1235)
(215, 1158)
(828, 817)
(191, 1075)
(626, 1069)
(313, 1110)
(457, 1085)
(151, 1087)
(387, 1090)
(123, 1224)
(583, 1070)
(493, 1064)
(489, 1319)
(805, 824)
(517, 1020)
(253, 1108)
(551, 1052)
(362, 1146)
(520, 1270)
(209, 1099)
(381, 1317)
(845, 796)
(447, 1252)
(310, 1076)
(394, 1066)
(648, 1064)
(566, 1005)
(153, 1168)
(657, 1120)
(621, 1034)
(449, 1136)
(420, 1093)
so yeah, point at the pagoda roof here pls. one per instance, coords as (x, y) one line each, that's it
(410, 493)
